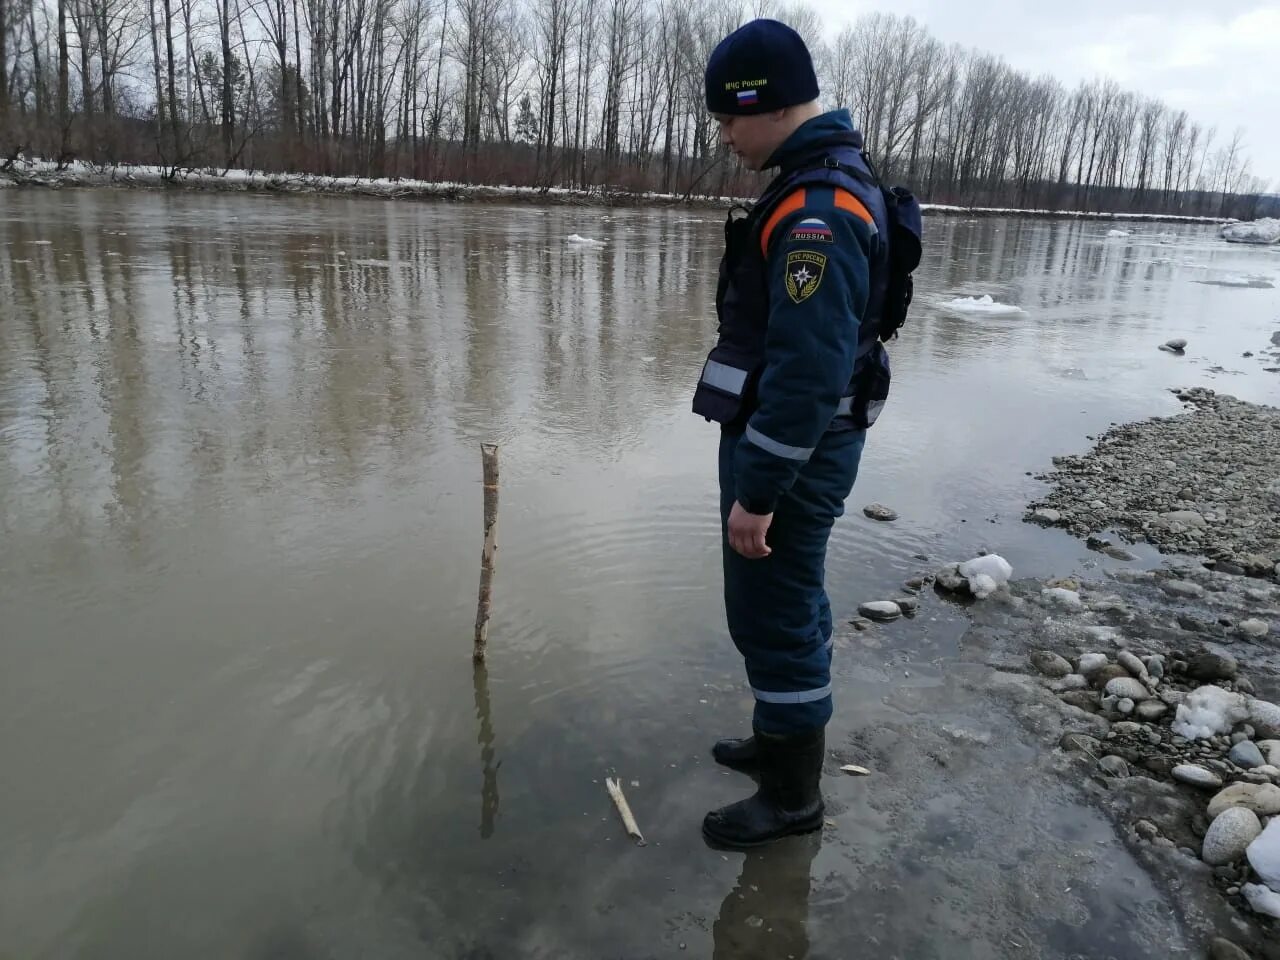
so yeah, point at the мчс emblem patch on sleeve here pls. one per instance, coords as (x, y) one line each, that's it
(804, 273)
(812, 230)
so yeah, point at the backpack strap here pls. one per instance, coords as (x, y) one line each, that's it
(782, 200)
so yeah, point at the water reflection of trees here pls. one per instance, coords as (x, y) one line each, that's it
(163, 341)
(1072, 281)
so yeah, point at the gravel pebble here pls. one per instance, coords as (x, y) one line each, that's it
(878, 511)
(883, 611)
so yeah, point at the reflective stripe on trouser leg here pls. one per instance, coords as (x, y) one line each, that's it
(824, 621)
(778, 612)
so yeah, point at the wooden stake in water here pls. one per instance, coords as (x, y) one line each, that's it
(489, 453)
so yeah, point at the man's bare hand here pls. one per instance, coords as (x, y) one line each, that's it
(747, 532)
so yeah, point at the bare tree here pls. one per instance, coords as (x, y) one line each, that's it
(64, 84)
(570, 92)
(1148, 133)
(4, 66)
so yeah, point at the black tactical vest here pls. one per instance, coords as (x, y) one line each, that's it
(726, 391)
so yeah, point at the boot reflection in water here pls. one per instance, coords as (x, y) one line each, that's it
(764, 917)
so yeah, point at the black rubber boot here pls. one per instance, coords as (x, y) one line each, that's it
(739, 754)
(788, 802)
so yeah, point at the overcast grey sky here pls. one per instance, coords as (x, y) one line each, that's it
(1216, 59)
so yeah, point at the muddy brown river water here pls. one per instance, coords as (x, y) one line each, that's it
(239, 536)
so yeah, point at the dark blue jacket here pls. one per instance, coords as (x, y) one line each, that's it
(819, 244)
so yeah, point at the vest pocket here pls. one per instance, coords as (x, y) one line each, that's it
(871, 391)
(727, 383)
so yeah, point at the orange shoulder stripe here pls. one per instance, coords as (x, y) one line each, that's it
(847, 201)
(788, 206)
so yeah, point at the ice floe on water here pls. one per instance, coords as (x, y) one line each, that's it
(1070, 373)
(1119, 233)
(1250, 283)
(580, 241)
(1265, 231)
(984, 304)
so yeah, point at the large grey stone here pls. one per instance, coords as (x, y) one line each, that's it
(1105, 675)
(1050, 664)
(1127, 688)
(1246, 754)
(1262, 798)
(1151, 710)
(1229, 836)
(1210, 666)
(1130, 662)
(1086, 700)
(878, 511)
(1091, 663)
(1155, 667)
(883, 611)
(1196, 776)
(1265, 717)
(1072, 681)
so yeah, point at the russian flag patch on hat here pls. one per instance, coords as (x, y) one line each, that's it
(747, 97)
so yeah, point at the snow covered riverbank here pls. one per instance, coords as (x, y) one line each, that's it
(46, 174)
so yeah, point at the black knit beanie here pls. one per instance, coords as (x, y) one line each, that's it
(761, 66)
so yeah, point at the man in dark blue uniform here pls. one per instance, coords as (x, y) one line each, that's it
(795, 379)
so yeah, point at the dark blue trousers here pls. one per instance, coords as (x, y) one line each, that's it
(777, 608)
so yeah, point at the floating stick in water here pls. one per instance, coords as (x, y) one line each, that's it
(624, 810)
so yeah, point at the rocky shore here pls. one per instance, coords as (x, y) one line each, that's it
(1156, 691)
(1206, 483)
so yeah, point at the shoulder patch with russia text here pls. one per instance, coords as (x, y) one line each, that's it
(812, 230)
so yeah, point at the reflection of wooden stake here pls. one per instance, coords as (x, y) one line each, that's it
(489, 451)
(489, 769)
(624, 809)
